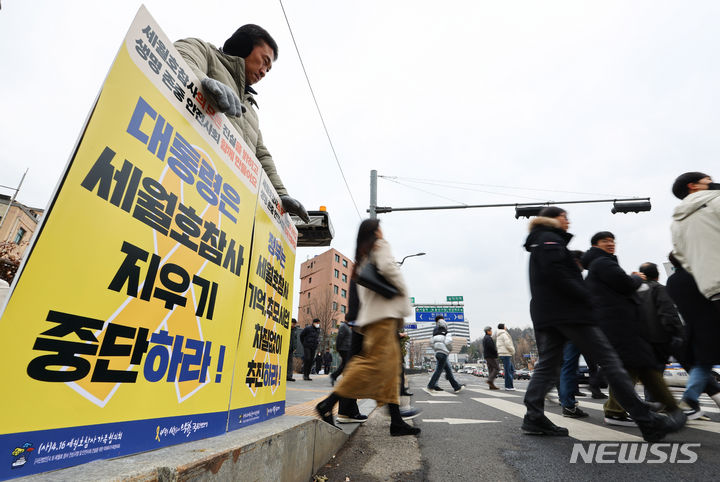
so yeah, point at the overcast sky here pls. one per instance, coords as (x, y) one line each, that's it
(483, 101)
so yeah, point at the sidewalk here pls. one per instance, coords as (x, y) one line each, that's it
(287, 448)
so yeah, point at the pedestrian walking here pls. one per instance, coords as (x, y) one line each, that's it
(491, 358)
(616, 306)
(375, 372)
(310, 338)
(506, 351)
(560, 310)
(343, 342)
(702, 327)
(327, 361)
(318, 362)
(442, 345)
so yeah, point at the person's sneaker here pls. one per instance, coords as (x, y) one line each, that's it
(404, 429)
(358, 418)
(597, 394)
(660, 425)
(410, 412)
(460, 388)
(578, 393)
(290, 379)
(307, 379)
(619, 420)
(542, 426)
(436, 389)
(691, 409)
(325, 412)
(574, 412)
(511, 389)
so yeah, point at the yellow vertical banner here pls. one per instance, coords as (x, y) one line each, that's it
(259, 384)
(121, 330)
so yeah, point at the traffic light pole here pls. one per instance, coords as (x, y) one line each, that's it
(635, 204)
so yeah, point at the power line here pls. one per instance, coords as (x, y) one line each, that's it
(317, 106)
(455, 183)
(395, 180)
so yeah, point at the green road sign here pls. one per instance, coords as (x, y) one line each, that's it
(454, 298)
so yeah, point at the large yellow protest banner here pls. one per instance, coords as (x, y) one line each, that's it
(122, 329)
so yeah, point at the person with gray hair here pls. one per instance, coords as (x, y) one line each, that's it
(442, 344)
(491, 358)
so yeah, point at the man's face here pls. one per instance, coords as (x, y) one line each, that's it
(607, 245)
(701, 185)
(258, 63)
(564, 221)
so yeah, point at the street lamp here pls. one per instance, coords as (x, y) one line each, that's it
(410, 256)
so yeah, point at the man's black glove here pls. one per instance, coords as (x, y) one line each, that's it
(293, 206)
(225, 98)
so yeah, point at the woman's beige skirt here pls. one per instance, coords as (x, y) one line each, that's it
(374, 372)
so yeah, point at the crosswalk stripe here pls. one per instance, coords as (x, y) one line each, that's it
(578, 429)
(436, 401)
(703, 425)
(494, 393)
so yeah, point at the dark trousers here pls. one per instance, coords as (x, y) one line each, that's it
(591, 340)
(493, 369)
(290, 365)
(308, 359)
(348, 406)
(443, 366)
(344, 356)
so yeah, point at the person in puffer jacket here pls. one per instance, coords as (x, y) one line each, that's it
(442, 344)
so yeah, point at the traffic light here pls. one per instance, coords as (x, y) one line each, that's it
(527, 211)
(630, 206)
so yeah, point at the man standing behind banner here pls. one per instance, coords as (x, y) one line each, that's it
(226, 76)
(310, 338)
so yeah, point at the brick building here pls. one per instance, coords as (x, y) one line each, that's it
(324, 286)
(18, 223)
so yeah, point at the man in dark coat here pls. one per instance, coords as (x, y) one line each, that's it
(309, 337)
(491, 358)
(343, 343)
(291, 353)
(318, 362)
(560, 309)
(327, 361)
(702, 326)
(616, 306)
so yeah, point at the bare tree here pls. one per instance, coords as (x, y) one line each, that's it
(323, 309)
(9, 260)
(415, 349)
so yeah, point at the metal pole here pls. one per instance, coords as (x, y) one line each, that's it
(2, 220)
(386, 209)
(373, 194)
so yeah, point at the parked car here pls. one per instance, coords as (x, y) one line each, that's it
(522, 374)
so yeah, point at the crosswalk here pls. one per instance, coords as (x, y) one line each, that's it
(586, 429)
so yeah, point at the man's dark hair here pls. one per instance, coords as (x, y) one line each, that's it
(680, 186)
(674, 261)
(601, 235)
(650, 270)
(246, 38)
(577, 254)
(294, 320)
(439, 317)
(501, 326)
(551, 212)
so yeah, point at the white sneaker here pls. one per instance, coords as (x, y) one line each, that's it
(690, 409)
(510, 389)
(716, 399)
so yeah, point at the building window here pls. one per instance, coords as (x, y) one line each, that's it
(310, 280)
(344, 278)
(335, 289)
(344, 293)
(337, 273)
(308, 294)
(308, 311)
(342, 308)
(337, 258)
(18, 237)
(334, 305)
(344, 263)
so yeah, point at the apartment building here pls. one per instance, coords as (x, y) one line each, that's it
(324, 287)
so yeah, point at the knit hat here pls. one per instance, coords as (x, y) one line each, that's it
(680, 188)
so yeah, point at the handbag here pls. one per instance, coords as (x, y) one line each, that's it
(369, 278)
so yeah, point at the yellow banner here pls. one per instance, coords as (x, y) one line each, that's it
(121, 332)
